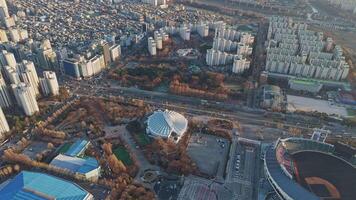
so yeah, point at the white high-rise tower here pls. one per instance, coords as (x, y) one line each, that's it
(5, 99)
(49, 83)
(4, 126)
(25, 98)
(4, 11)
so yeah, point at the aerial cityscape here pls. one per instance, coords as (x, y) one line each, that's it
(177, 100)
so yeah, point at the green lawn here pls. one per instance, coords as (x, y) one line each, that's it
(143, 139)
(122, 154)
(64, 148)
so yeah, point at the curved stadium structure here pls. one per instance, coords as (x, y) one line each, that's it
(167, 124)
(305, 169)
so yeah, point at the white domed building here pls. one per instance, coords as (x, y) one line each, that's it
(167, 124)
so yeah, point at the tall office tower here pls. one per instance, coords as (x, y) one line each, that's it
(3, 36)
(105, 49)
(25, 98)
(49, 83)
(4, 126)
(4, 12)
(71, 67)
(5, 98)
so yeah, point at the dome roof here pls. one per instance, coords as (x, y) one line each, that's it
(164, 123)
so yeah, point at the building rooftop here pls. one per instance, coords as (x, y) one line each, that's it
(164, 123)
(305, 82)
(75, 164)
(38, 186)
(77, 148)
(289, 186)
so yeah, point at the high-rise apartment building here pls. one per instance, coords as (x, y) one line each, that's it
(4, 126)
(4, 12)
(5, 98)
(49, 83)
(28, 75)
(25, 98)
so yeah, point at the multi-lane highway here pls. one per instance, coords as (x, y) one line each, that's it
(189, 105)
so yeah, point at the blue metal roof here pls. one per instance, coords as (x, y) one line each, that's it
(77, 148)
(75, 164)
(289, 186)
(89, 165)
(38, 186)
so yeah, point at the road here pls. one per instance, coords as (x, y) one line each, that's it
(188, 105)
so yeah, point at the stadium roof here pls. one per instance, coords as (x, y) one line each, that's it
(38, 186)
(75, 164)
(77, 148)
(287, 185)
(163, 123)
(293, 145)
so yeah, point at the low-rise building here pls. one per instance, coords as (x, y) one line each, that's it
(305, 85)
(271, 97)
(73, 160)
(34, 185)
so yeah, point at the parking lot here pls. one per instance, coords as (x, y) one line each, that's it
(243, 167)
(209, 153)
(35, 148)
(167, 188)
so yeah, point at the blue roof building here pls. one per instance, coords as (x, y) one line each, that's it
(85, 167)
(38, 186)
(77, 148)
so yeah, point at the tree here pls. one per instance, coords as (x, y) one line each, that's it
(107, 148)
(296, 132)
(17, 167)
(116, 165)
(63, 93)
(50, 146)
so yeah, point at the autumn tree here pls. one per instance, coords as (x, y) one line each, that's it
(107, 148)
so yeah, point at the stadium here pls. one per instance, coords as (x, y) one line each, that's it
(167, 124)
(300, 169)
